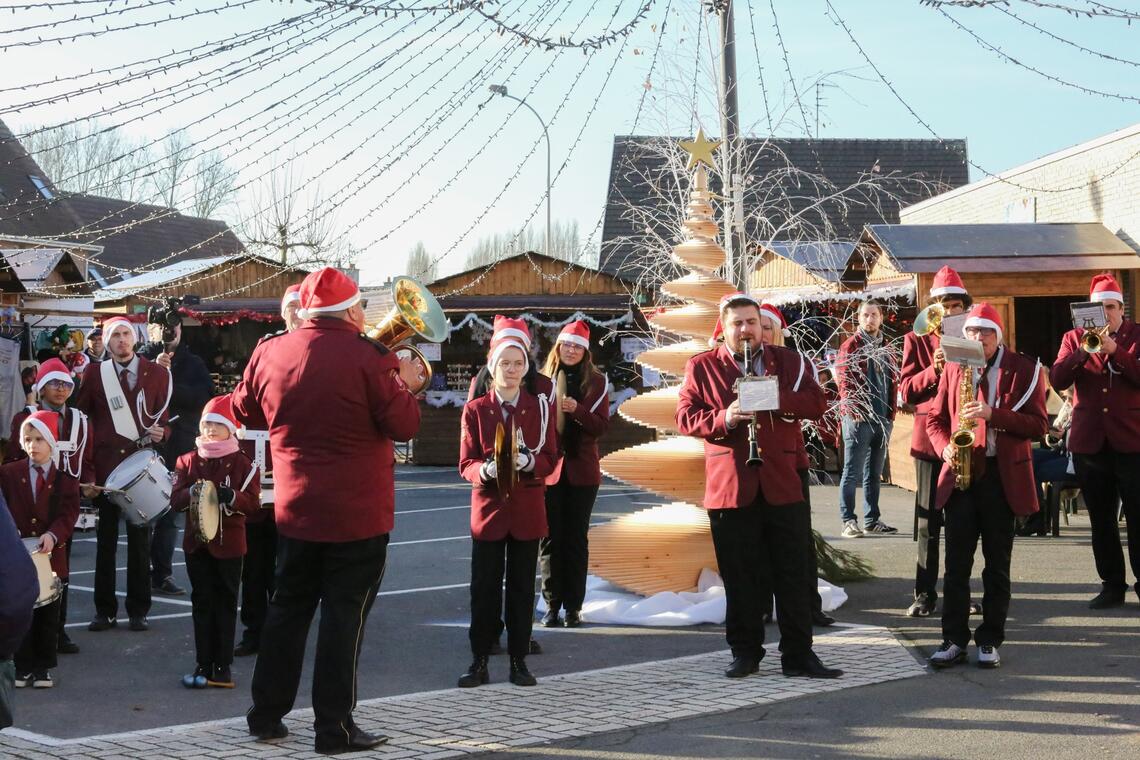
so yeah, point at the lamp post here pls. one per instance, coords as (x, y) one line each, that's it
(501, 89)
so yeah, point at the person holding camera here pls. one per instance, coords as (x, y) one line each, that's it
(192, 388)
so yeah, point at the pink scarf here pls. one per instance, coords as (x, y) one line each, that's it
(216, 449)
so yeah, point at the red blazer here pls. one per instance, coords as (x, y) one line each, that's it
(1019, 417)
(851, 373)
(234, 470)
(918, 385)
(706, 394)
(1106, 396)
(522, 515)
(35, 517)
(79, 461)
(111, 448)
(587, 423)
(333, 403)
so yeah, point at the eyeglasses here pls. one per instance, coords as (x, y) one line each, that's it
(58, 385)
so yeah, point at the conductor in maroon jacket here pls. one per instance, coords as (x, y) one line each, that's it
(1105, 436)
(146, 388)
(758, 515)
(333, 402)
(922, 363)
(1009, 414)
(505, 526)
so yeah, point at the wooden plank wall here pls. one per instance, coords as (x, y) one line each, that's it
(517, 275)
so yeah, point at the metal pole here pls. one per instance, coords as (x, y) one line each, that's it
(502, 90)
(730, 133)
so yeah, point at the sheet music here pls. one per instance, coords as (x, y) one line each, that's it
(759, 394)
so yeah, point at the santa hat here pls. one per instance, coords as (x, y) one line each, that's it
(52, 369)
(497, 349)
(985, 316)
(47, 423)
(325, 291)
(220, 409)
(774, 314)
(946, 283)
(577, 333)
(718, 333)
(115, 323)
(292, 295)
(1104, 287)
(505, 327)
(737, 299)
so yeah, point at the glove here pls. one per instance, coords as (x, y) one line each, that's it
(226, 495)
(489, 471)
(524, 461)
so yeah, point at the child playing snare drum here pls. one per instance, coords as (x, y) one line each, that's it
(44, 502)
(214, 562)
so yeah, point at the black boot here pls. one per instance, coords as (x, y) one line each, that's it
(477, 675)
(520, 676)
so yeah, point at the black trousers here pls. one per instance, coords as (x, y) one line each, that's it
(979, 512)
(213, 592)
(762, 549)
(138, 564)
(37, 651)
(565, 553)
(491, 561)
(1106, 477)
(257, 582)
(344, 579)
(929, 521)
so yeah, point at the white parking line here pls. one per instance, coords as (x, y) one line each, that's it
(166, 600)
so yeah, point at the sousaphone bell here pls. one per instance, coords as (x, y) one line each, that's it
(416, 312)
(929, 320)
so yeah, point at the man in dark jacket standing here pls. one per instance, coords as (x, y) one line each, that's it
(18, 590)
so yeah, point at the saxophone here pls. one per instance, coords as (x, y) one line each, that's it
(963, 438)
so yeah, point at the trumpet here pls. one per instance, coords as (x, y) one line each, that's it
(929, 320)
(1092, 341)
(416, 312)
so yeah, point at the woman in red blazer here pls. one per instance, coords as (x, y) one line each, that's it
(215, 566)
(505, 529)
(573, 486)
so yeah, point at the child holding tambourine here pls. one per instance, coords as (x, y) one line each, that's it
(213, 562)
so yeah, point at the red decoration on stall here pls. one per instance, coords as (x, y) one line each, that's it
(230, 317)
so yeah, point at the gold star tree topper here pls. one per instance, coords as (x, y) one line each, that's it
(700, 150)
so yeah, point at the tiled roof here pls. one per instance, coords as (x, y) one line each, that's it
(842, 162)
(24, 211)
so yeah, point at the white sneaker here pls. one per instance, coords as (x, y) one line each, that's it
(947, 655)
(879, 527)
(851, 529)
(988, 656)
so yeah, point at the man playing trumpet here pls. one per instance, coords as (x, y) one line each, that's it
(1105, 434)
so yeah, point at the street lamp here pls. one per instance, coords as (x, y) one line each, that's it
(500, 89)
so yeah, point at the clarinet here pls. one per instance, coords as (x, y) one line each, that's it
(754, 459)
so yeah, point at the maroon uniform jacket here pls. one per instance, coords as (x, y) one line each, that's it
(918, 384)
(333, 403)
(579, 441)
(78, 461)
(34, 517)
(234, 470)
(152, 383)
(1019, 418)
(522, 514)
(1106, 392)
(709, 389)
(851, 372)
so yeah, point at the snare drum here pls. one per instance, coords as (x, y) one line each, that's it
(140, 486)
(207, 513)
(51, 587)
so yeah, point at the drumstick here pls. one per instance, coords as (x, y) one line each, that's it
(103, 488)
(143, 440)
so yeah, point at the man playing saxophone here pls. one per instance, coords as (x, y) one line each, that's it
(1006, 413)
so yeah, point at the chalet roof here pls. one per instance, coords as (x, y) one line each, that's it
(536, 257)
(925, 248)
(607, 303)
(842, 162)
(825, 260)
(157, 278)
(24, 209)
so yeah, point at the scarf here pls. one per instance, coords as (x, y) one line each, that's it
(216, 449)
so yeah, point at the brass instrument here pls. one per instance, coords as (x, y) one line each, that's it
(559, 394)
(1054, 441)
(963, 438)
(1092, 341)
(929, 320)
(506, 459)
(416, 312)
(754, 459)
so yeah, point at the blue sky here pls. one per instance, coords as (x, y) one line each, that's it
(406, 161)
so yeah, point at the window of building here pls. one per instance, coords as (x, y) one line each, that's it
(42, 186)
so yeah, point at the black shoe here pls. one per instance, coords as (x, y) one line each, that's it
(220, 678)
(42, 680)
(245, 649)
(807, 666)
(1107, 599)
(520, 676)
(102, 623)
(550, 619)
(167, 588)
(24, 680)
(358, 741)
(274, 732)
(533, 647)
(923, 606)
(573, 619)
(139, 623)
(742, 666)
(821, 619)
(476, 674)
(64, 645)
